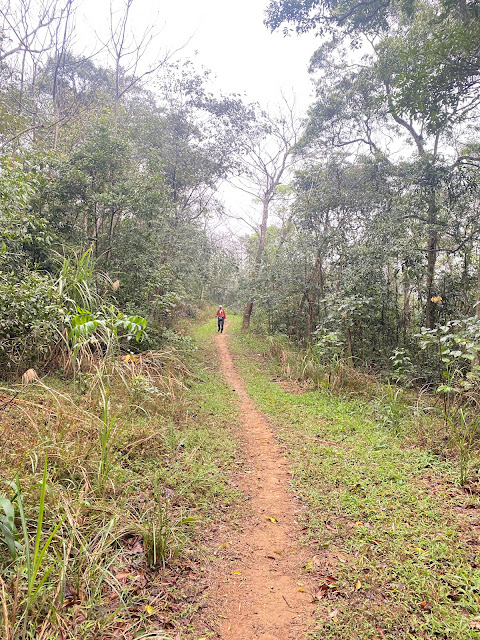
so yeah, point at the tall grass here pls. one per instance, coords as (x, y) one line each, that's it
(107, 439)
(100, 509)
(33, 570)
(163, 531)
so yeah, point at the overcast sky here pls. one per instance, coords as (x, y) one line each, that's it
(226, 36)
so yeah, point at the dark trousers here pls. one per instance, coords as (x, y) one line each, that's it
(220, 324)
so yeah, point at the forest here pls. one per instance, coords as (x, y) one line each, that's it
(132, 431)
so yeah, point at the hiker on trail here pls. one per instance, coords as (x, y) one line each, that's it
(221, 317)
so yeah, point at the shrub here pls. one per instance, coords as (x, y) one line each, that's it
(31, 313)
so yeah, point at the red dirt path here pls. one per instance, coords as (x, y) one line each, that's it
(265, 590)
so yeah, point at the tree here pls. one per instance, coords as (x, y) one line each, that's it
(269, 156)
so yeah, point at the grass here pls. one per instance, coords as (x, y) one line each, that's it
(396, 551)
(394, 539)
(117, 521)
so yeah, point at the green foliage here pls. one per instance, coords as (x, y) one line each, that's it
(164, 534)
(101, 333)
(402, 366)
(75, 280)
(325, 360)
(24, 234)
(31, 316)
(464, 428)
(458, 345)
(8, 528)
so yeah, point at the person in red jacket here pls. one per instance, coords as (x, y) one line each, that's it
(221, 317)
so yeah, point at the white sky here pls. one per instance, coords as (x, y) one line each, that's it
(230, 39)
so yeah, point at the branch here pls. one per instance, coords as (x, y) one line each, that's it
(403, 123)
(44, 22)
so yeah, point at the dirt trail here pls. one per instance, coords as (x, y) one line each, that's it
(264, 591)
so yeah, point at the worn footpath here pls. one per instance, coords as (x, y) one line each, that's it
(264, 592)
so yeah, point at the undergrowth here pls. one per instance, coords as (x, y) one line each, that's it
(109, 485)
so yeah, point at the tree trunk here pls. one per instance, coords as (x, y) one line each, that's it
(431, 261)
(476, 361)
(321, 284)
(309, 323)
(405, 318)
(258, 260)
(477, 306)
(247, 315)
(316, 280)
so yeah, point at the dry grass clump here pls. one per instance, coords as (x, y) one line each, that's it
(304, 365)
(83, 469)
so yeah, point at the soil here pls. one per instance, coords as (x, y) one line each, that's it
(264, 590)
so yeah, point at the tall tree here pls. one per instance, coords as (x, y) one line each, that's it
(269, 156)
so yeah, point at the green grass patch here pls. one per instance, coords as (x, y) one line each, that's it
(399, 560)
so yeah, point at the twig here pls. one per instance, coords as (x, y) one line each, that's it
(5, 612)
(286, 601)
(12, 399)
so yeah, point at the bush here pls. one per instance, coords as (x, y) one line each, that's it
(31, 313)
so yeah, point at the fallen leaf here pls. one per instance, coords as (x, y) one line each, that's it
(272, 519)
(358, 585)
(122, 576)
(325, 589)
(71, 596)
(148, 609)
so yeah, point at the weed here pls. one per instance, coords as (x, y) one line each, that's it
(163, 531)
(7, 526)
(392, 409)
(108, 429)
(464, 430)
(31, 573)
